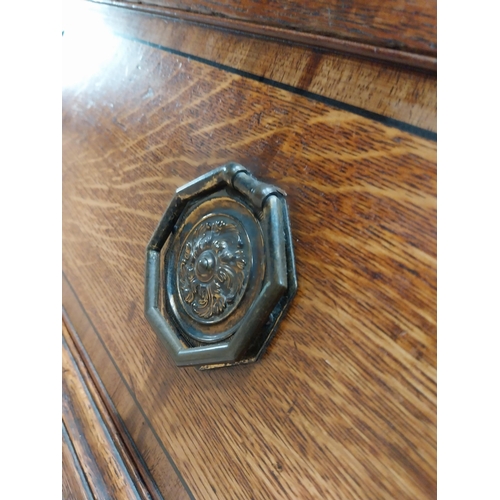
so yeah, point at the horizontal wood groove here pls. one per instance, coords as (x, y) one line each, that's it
(389, 122)
(390, 91)
(400, 57)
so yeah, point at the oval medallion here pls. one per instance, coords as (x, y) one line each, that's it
(214, 265)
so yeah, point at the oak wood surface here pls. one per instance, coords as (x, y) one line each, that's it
(74, 483)
(312, 40)
(407, 25)
(343, 404)
(132, 458)
(151, 461)
(391, 91)
(95, 463)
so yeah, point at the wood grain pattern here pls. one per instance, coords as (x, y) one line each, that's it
(74, 483)
(343, 404)
(391, 91)
(406, 25)
(96, 447)
(287, 35)
(122, 440)
(165, 478)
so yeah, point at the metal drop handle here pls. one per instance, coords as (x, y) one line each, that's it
(220, 270)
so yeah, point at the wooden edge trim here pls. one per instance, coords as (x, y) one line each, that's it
(134, 463)
(77, 466)
(72, 305)
(413, 60)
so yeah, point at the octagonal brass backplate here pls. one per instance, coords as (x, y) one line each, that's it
(220, 270)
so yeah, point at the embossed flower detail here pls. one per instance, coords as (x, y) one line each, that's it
(211, 271)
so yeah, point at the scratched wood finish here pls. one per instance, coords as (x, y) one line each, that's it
(389, 90)
(408, 25)
(343, 404)
(98, 460)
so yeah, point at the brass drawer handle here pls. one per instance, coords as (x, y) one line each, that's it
(220, 270)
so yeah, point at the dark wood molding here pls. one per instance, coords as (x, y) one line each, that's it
(74, 483)
(155, 466)
(121, 445)
(330, 43)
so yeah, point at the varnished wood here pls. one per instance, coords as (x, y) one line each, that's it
(138, 434)
(133, 460)
(390, 30)
(391, 91)
(343, 403)
(105, 469)
(74, 482)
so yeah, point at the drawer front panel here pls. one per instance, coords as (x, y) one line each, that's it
(344, 400)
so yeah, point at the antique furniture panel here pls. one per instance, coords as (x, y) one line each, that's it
(343, 403)
(394, 92)
(401, 31)
(95, 465)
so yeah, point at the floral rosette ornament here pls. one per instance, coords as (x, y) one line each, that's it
(212, 271)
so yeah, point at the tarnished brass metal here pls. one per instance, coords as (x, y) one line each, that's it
(220, 270)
